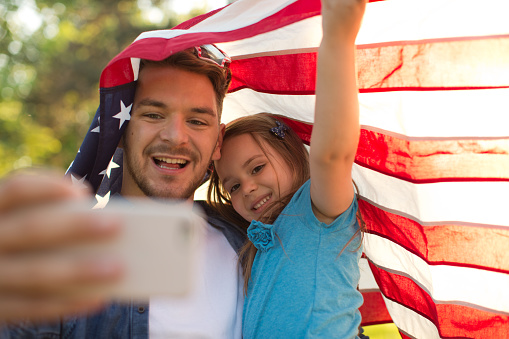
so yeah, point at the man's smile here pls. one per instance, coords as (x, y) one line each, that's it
(170, 163)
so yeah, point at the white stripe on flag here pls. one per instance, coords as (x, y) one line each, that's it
(247, 102)
(436, 203)
(241, 14)
(478, 288)
(410, 322)
(308, 31)
(238, 15)
(367, 282)
(402, 20)
(438, 114)
(419, 114)
(376, 27)
(135, 63)
(161, 33)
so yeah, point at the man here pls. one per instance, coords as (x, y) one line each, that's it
(173, 135)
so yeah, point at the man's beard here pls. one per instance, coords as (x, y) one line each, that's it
(183, 192)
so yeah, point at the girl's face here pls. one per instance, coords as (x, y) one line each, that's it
(251, 179)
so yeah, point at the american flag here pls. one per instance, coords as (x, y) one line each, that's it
(433, 160)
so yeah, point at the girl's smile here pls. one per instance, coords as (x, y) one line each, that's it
(253, 178)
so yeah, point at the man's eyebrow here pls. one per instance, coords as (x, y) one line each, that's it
(151, 102)
(246, 164)
(156, 103)
(204, 110)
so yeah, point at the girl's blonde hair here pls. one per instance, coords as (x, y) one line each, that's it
(291, 150)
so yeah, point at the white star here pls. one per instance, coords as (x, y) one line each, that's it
(78, 182)
(124, 113)
(98, 128)
(108, 169)
(101, 201)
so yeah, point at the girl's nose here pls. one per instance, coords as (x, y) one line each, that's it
(248, 187)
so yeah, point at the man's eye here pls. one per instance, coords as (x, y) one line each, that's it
(258, 169)
(197, 122)
(152, 116)
(234, 188)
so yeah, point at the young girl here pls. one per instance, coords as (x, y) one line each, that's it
(301, 264)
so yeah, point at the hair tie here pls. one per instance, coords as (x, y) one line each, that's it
(279, 130)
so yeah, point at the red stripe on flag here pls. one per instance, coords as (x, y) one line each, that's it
(117, 74)
(452, 321)
(302, 129)
(160, 48)
(373, 310)
(434, 65)
(276, 74)
(455, 245)
(428, 161)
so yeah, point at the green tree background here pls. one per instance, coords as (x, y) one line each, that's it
(51, 56)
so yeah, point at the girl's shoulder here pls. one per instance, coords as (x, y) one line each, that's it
(301, 206)
(300, 200)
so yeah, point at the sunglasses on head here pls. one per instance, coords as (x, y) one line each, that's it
(212, 53)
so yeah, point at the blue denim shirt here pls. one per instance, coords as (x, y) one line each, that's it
(117, 320)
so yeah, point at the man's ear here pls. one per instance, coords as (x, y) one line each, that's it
(217, 151)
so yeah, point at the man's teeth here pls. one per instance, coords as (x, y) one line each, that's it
(172, 161)
(261, 203)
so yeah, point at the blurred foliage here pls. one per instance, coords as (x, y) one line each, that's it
(51, 56)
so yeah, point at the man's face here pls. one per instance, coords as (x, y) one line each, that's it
(173, 135)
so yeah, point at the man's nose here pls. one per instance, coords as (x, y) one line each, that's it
(175, 131)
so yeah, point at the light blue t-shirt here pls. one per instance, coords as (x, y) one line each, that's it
(300, 288)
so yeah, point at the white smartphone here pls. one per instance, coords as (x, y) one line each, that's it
(161, 245)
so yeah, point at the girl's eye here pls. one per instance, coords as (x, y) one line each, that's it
(234, 188)
(257, 169)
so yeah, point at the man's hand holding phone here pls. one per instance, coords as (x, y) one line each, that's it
(66, 259)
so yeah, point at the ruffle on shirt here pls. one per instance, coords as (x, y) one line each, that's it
(261, 235)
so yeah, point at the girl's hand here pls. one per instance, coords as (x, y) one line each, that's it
(342, 18)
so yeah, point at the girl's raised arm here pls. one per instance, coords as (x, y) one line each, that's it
(336, 126)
